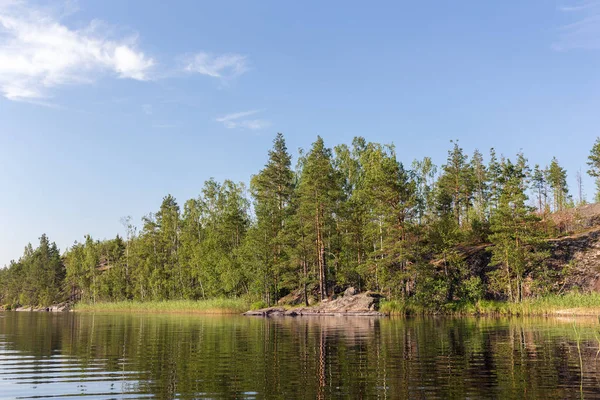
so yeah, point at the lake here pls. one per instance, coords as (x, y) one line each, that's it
(45, 355)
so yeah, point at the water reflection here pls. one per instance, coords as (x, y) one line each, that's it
(115, 356)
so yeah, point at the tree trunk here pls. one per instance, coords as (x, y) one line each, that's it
(304, 266)
(321, 255)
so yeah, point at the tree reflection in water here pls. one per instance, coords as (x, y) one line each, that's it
(309, 357)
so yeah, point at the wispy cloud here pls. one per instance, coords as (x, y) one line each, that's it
(239, 120)
(225, 66)
(38, 52)
(578, 7)
(147, 109)
(584, 32)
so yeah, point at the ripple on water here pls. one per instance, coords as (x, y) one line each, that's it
(135, 356)
(26, 377)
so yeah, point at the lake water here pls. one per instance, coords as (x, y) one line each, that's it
(69, 355)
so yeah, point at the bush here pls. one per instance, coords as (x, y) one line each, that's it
(472, 289)
(257, 305)
(432, 292)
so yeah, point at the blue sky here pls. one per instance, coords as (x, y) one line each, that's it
(107, 106)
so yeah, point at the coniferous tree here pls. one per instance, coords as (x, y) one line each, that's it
(480, 184)
(557, 179)
(319, 192)
(424, 172)
(456, 184)
(494, 172)
(387, 189)
(353, 242)
(538, 184)
(516, 237)
(272, 189)
(594, 166)
(168, 276)
(357, 219)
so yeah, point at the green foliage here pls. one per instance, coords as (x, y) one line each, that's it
(594, 166)
(267, 250)
(557, 179)
(257, 305)
(517, 248)
(455, 186)
(36, 279)
(319, 194)
(349, 217)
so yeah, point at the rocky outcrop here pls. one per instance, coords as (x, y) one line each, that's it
(574, 260)
(576, 219)
(350, 304)
(577, 257)
(62, 307)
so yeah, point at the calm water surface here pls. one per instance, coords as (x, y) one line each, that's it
(173, 356)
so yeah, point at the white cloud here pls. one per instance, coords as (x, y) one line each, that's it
(147, 109)
(584, 33)
(237, 120)
(38, 53)
(579, 7)
(224, 66)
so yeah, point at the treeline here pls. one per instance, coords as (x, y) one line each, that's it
(348, 216)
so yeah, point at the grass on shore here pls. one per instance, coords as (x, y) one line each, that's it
(567, 304)
(212, 306)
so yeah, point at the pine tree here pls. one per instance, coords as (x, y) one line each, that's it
(272, 189)
(480, 184)
(389, 195)
(168, 277)
(557, 178)
(516, 237)
(456, 184)
(494, 172)
(353, 243)
(319, 192)
(594, 166)
(424, 172)
(538, 184)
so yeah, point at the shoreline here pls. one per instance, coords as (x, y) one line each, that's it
(207, 307)
(573, 304)
(579, 312)
(569, 304)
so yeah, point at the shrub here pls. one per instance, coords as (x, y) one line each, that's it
(257, 305)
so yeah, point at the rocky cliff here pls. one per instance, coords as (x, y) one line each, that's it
(577, 258)
(574, 261)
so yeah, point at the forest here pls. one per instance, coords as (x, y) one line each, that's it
(351, 215)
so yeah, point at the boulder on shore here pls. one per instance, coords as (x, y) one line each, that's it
(61, 307)
(351, 304)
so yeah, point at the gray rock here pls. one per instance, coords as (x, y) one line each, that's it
(362, 304)
(62, 307)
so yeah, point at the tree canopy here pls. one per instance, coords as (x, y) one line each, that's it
(351, 215)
